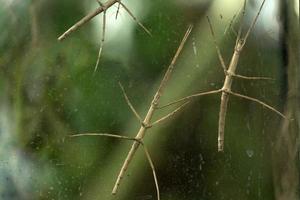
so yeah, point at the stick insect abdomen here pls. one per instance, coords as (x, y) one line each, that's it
(225, 96)
(125, 165)
(222, 117)
(134, 147)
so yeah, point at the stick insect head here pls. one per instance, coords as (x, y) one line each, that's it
(239, 44)
(241, 40)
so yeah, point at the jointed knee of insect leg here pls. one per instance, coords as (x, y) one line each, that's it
(226, 90)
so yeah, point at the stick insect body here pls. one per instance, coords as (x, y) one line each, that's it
(230, 73)
(146, 123)
(225, 96)
(103, 7)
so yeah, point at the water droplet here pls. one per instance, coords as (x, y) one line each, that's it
(250, 153)
(194, 47)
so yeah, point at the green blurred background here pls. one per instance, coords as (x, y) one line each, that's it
(48, 91)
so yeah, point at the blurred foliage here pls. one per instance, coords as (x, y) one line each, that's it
(49, 91)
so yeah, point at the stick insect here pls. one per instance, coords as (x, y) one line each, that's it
(229, 72)
(104, 27)
(147, 123)
(147, 154)
(103, 7)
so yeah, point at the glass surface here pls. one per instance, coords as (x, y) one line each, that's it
(50, 90)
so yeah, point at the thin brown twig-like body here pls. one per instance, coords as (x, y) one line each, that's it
(147, 120)
(258, 101)
(190, 97)
(229, 75)
(135, 19)
(102, 41)
(96, 12)
(131, 139)
(129, 104)
(240, 43)
(153, 170)
(169, 115)
(252, 77)
(221, 59)
(103, 134)
(87, 18)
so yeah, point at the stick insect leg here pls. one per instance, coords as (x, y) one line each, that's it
(104, 135)
(170, 114)
(252, 78)
(135, 19)
(131, 139)
(130, 104)
(258, 101)
(153, 170)
(221, 59)
(102, 39)
(187, 98)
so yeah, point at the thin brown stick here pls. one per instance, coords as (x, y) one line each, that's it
(171, 66)
(103, 134)
(258, 101)
(222, 120)
(190, 97)
(135, 19)
(87, 18)
(142, 131)
(169, 115)
(240, 42)
(229, 74)
(131, 139)
(153, 170)
(252, 77)
(102, 41)
(221, 59)
(130, 104)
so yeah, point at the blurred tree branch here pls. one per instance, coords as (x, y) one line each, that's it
(286, 149)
